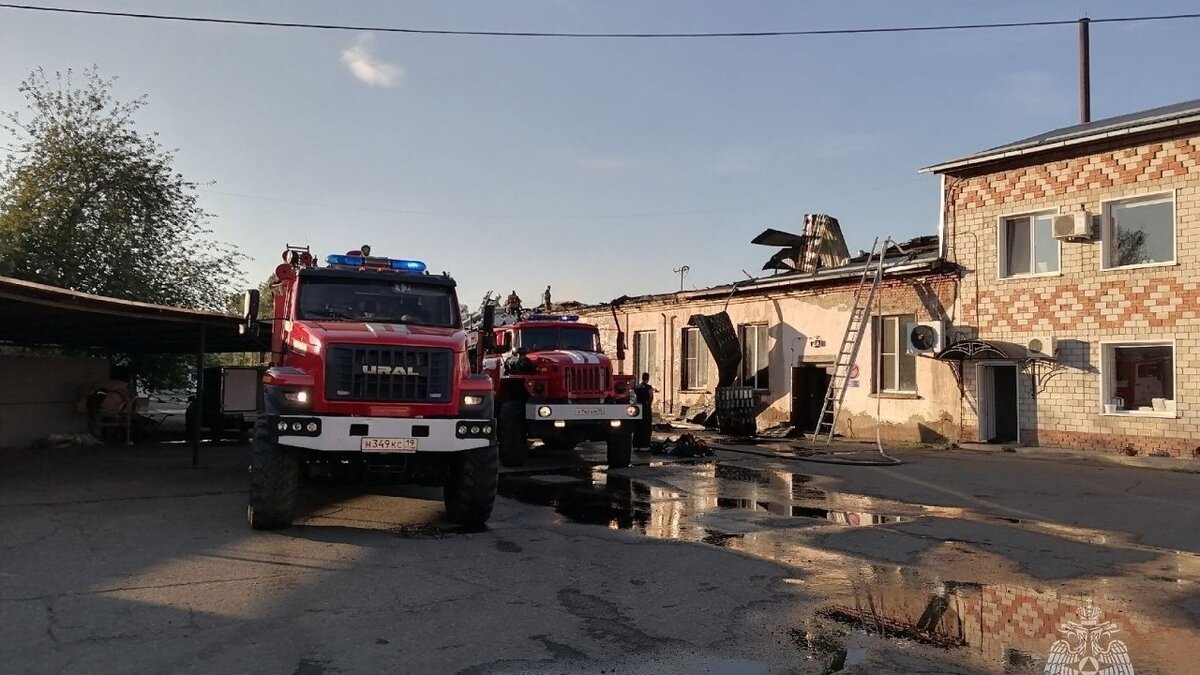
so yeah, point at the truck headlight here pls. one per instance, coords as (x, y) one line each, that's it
(300, 396)
(544, 411)
(632, 411)
(472, 400)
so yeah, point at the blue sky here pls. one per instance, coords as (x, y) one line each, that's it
(596, 166)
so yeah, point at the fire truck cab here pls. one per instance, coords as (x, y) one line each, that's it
(553, 382)
(369, 371)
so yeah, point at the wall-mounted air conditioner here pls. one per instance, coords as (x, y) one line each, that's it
(925, 337)
(1040, 347)
(1076, 225)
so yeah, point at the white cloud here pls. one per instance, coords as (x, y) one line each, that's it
(368, 68)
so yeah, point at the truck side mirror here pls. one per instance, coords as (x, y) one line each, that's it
(250, 305)
(489, 328)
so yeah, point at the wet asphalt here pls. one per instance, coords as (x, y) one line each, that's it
(129, 560)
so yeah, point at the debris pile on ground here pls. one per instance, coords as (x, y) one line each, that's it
(71, 441)
(778, 431)
(686, 445)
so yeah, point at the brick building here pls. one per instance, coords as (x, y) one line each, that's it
(790, 326)
(1084, 241)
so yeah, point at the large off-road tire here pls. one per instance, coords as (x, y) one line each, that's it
(620, 447)
(470, 490)
(514, 446)
(274, 482)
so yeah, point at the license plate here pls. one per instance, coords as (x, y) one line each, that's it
(389, 444)
(589, 412)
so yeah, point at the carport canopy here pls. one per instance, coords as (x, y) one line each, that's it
(36, 315)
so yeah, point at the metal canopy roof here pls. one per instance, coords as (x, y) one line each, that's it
(35, 315)
(984, 350)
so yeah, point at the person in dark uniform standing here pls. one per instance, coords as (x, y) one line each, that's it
(645, 397)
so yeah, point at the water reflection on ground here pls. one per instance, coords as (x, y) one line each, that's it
(949, 594)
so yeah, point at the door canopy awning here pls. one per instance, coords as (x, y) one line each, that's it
(986, 350)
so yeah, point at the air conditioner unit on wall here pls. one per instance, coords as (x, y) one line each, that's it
(924, 337)
(1076, 225)
(1041, 347)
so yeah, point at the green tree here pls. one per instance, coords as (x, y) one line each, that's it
(89, 203)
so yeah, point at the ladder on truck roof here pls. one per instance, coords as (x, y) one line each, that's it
(860, 314)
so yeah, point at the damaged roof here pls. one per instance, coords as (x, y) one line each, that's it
(916, 255)
(820, 244)
(1167, 116)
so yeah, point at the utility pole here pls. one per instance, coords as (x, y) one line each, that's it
(682, 272)
(1085, 74)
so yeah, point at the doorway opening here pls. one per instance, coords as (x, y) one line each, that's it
(999, 407)
(810, 382)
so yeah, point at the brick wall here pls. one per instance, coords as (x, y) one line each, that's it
(797, 319)
(1085, 304)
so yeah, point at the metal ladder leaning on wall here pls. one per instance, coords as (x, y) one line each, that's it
(864, 297)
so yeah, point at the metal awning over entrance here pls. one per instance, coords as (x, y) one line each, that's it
(983, 350)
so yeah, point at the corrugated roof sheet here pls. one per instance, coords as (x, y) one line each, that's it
(1077, 132)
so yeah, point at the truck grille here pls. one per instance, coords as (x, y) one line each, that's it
(590, 379)
(388, 374)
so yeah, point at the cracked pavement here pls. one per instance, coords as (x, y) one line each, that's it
(127, 560)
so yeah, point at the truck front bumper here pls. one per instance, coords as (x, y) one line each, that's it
(581, 412)
(383, 435)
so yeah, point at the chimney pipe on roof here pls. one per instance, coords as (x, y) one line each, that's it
(1085, 74)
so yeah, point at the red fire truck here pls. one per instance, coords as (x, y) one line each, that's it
(553, 383)
(369, 370)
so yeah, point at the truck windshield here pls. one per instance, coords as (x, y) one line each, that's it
(377, 301)
(534, 339)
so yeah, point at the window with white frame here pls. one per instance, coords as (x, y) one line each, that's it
(695, 359)
(1028, 246)
(645, 354)
(1139, 231)
(896, 370)
(1139, 378)
(756, 356)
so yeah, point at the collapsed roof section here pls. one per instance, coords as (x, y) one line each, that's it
(820, 245)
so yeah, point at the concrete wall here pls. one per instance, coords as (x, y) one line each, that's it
(794, 319)
(1085, 305)
(39, 396)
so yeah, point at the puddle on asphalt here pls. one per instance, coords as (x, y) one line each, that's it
(1003, 627)
(694, 501)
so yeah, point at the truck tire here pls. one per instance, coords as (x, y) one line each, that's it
(470, 490)
(274, 482)
(514, 447)
(620, 447)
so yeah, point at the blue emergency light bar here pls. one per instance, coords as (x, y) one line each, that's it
(359, 261)
(345, 260)
(408, 265)
(551, 317)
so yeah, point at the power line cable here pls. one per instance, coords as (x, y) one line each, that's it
(555, 34)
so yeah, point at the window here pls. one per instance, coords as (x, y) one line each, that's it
(1028, 246)
(377, 300)
(756, 362)
(645, 354)
(1139, 378)
(897, 370)
(695, 359)
(1139, 231)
